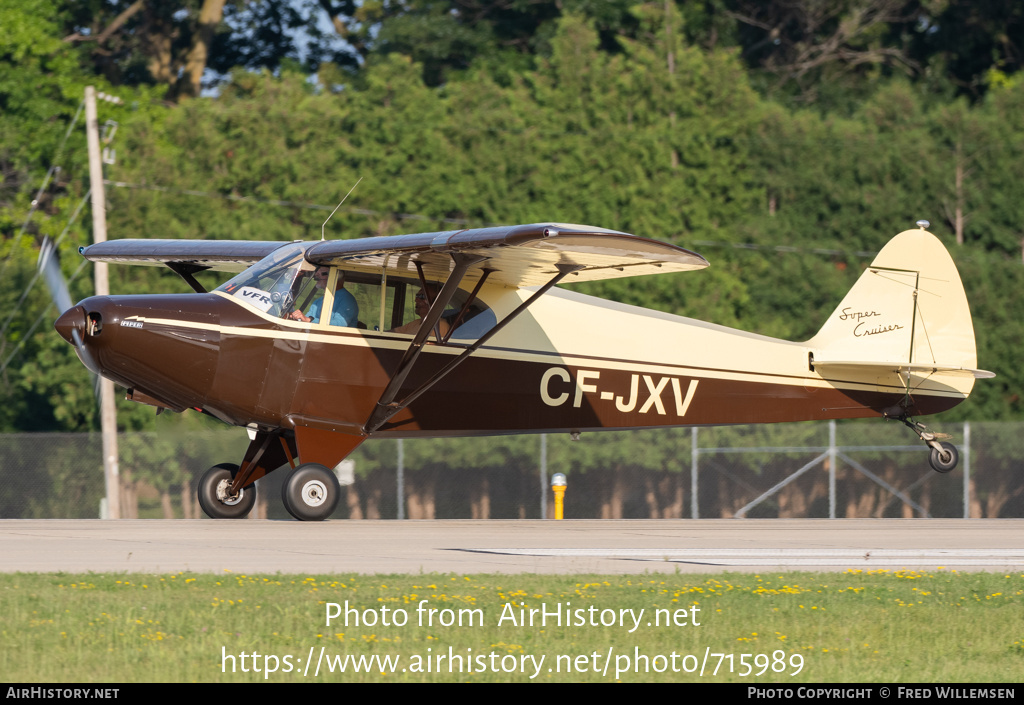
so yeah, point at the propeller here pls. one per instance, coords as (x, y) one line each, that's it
(48, 266)
(73, 323)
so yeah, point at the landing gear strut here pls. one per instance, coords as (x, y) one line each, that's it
(944, 456)
(311, 491)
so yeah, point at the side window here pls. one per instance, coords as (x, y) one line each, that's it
(319, 297)
(353, 298)
(406, 303)
(478, 320)
(394, 305)
(367, 297)
(304, 291)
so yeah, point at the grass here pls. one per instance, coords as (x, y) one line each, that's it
(875, 626)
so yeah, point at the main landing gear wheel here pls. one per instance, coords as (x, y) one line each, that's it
(214, 497)
(945, 459)
(311, 492)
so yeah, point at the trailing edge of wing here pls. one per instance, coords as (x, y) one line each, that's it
(221, 255)
(518, 255)
(903, 367)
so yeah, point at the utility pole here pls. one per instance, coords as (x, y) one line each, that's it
(108, 417)
(543, 476)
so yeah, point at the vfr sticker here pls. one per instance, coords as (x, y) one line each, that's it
(256, 297)
(650, 393)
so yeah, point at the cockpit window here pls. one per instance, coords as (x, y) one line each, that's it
(273, 284)
(407, 302)
(285, 285)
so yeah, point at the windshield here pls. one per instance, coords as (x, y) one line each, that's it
(277, 283)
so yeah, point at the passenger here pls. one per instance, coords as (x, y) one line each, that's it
(422, 306)
(345, 311)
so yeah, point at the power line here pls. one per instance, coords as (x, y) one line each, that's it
(287, 204)
(32, 329)
(31, 211)
(38, 273)
(25, 294)
(52, 171)
(786, 249)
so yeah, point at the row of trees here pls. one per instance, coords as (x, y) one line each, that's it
(831, 52)
(680, 121)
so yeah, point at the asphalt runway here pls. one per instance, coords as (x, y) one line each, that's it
(498, 546)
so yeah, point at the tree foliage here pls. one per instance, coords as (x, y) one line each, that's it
(682, 121)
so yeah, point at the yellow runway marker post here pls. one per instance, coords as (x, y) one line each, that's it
(558, 487)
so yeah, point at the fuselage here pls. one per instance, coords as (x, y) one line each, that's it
(569, 363)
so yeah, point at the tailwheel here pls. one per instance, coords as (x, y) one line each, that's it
(214, 497)
(944, 458)
(311, 492)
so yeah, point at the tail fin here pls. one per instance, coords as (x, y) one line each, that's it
(907, 312)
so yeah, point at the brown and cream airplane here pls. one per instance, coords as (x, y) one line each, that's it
(464, 333)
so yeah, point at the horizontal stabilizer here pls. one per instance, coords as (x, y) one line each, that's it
(829, 366)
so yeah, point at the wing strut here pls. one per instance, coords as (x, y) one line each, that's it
(185, 270)
(465, 307)
(388, 407)
(462, 264)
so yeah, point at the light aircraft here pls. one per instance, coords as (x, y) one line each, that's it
(498, 348)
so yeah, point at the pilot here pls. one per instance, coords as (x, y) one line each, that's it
(422, 306)
(345, 311)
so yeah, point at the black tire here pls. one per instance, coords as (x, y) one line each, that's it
(945, 460)
(212, 498)
(311, 492)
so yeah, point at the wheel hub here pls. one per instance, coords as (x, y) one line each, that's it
(314, 493)
(224, 497)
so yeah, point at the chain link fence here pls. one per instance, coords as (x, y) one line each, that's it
(808, 470)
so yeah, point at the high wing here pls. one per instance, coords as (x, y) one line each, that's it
(194, 255)
(518, 255)
(184, 257)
